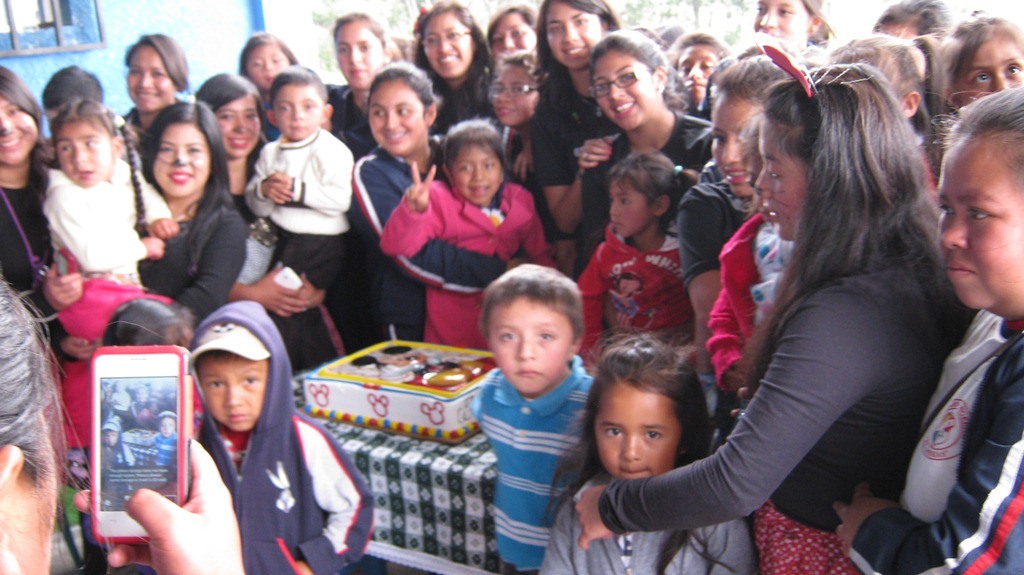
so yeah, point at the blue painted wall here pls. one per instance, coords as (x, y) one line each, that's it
(211, 31)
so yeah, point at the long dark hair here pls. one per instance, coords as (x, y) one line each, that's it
(223, 89)
(867, 204)
(473, 93)
(646, 51)
(416, 80)
(216, 195)
(171, 54)
(556, 85)
(14, 90)
(146, 321)
(646, 363)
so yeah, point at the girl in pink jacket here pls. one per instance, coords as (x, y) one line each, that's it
(478, 211)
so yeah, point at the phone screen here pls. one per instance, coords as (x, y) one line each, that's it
(62, 264)
(138, 438)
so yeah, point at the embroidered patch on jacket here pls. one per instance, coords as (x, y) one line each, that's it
(943, 440)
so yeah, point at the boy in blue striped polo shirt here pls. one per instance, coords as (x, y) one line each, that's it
(532, 318)
(166, 442)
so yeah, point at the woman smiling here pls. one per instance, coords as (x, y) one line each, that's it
(453, 51)
(185, 159)
(633, 87)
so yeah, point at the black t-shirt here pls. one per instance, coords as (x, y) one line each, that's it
(460, 105)
(14, 257)
(348, 123)
(513, 147)
(243, 208)
(841, 403)
(709, 214)
(557, 131)
(201, 263)
(689, 146)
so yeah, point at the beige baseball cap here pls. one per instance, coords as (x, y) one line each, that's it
(232, 338)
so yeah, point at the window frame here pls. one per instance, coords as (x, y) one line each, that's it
(57, 9)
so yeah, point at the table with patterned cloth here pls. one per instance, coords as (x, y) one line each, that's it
(433, 503)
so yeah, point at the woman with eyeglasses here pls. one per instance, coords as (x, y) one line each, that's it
(452, 49)
(185, 159)
(514, 97)
(845, 362)
(632, 84)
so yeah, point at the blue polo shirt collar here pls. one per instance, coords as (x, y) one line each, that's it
(546, 404)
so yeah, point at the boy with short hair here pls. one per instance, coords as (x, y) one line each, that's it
(532, 318)
(301, 504)
(166, 442)
(303, 182)
(68, 84)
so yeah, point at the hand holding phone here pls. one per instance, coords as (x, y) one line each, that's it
(200, 538)
(287, 278)
(65, 262)
(142, 420)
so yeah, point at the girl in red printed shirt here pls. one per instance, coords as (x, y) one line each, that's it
(634, 279)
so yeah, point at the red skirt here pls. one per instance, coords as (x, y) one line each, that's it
(787, 547)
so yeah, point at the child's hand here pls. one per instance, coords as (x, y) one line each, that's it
(164, 228)
(78, 347)
(523, 165)
(277, 188)
(417, 197)
(312, 295)
(851, 516)
(594, 152)
(592, 527)
(516, 262)
(154, 248)
(303, 568)
(61, 291)
(199, 538)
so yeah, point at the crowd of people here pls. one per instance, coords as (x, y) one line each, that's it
(727, 338)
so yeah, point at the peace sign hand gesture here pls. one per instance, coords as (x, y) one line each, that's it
(417, 197)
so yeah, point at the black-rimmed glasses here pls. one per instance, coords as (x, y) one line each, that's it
(513, 91)
(431, 42)
(602, 89)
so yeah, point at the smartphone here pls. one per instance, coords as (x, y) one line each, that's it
(287, 278)
(142, 420)
(65, 262)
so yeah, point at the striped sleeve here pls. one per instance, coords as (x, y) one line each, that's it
(980, 530)
(438, 263)
(342, 494)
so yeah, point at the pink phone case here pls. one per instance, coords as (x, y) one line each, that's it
(184, 419)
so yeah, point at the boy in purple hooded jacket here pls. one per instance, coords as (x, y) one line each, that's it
(302, 506)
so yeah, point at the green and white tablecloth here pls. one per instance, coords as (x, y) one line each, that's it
(433, 503)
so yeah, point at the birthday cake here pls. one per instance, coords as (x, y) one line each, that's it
(412, 388)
